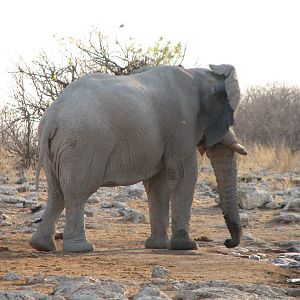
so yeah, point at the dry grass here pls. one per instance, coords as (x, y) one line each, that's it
(261, 157)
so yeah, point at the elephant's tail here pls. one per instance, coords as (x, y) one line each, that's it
(47, 133)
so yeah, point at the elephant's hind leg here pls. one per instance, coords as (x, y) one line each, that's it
(43, 238)
(158, 200)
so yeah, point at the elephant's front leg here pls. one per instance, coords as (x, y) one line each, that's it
(182, 176)
(74, 233)
(158, 200)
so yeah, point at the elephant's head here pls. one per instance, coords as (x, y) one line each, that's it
(220, 144)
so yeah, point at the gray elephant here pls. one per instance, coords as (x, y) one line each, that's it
(106, 131)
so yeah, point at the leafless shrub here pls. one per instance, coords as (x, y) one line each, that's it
(270, 115)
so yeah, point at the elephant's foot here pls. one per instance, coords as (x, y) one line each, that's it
(157, 242)
(77, 246)
(42, 242)
(182, 241)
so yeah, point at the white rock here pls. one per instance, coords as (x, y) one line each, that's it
(293, 205)
(93, 199)
(36, 279)
(136, 190)
(8, 190)
(91, 226)
(160, 272)
(150, 292)
(132, 215)
(120, 205)
(244, 217)
(293, 192)
(286, 218)
(12, 199)
(4, 179)
(87, 290)
(32, 196)
(12, 277)
(250, 197)
(106, 205)
(272, 205)
(89, 212)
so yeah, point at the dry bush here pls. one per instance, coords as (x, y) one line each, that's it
(269, 115)
(7, 163)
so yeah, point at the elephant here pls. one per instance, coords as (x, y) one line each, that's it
(105, 131)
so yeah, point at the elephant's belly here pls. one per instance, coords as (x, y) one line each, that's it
(131, 172)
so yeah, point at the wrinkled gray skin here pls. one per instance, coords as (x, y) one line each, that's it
(107, 131)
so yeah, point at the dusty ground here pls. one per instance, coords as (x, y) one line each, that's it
(120, 253)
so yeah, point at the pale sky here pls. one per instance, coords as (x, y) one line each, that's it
(261, 38)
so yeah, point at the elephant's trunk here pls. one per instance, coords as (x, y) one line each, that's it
(223, 161)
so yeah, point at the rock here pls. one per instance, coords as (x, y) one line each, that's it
(289, 246)
(250, 197)
(34, 196)
(8, 190)
(12, 199)
(294, 280)
(287, 260)
(132, 215)
(22, 295)
(93, 199)
(135, 190)
(36, 279)
(91, 226)
(21, 180)
(160, 272)
(129, 214)
(203, 239)
(87, 289)
(286, 218)
(244, 217)
(272, 205)
(119, 205)
(106, 205)
(88, 213)
(24, 188)
(150, 292)
(248, 237)
(4, 180)
(255, 257)
(225, 290)
(293, 293)
(293, 192)
(293, 205)
(11, 277)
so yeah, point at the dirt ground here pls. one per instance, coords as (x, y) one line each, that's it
(120, 253)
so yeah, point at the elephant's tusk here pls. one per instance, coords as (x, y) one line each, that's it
(238, 148)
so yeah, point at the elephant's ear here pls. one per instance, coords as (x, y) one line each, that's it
(224, 103)
(231, 83)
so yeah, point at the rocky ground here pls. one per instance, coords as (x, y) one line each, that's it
(265, 266)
